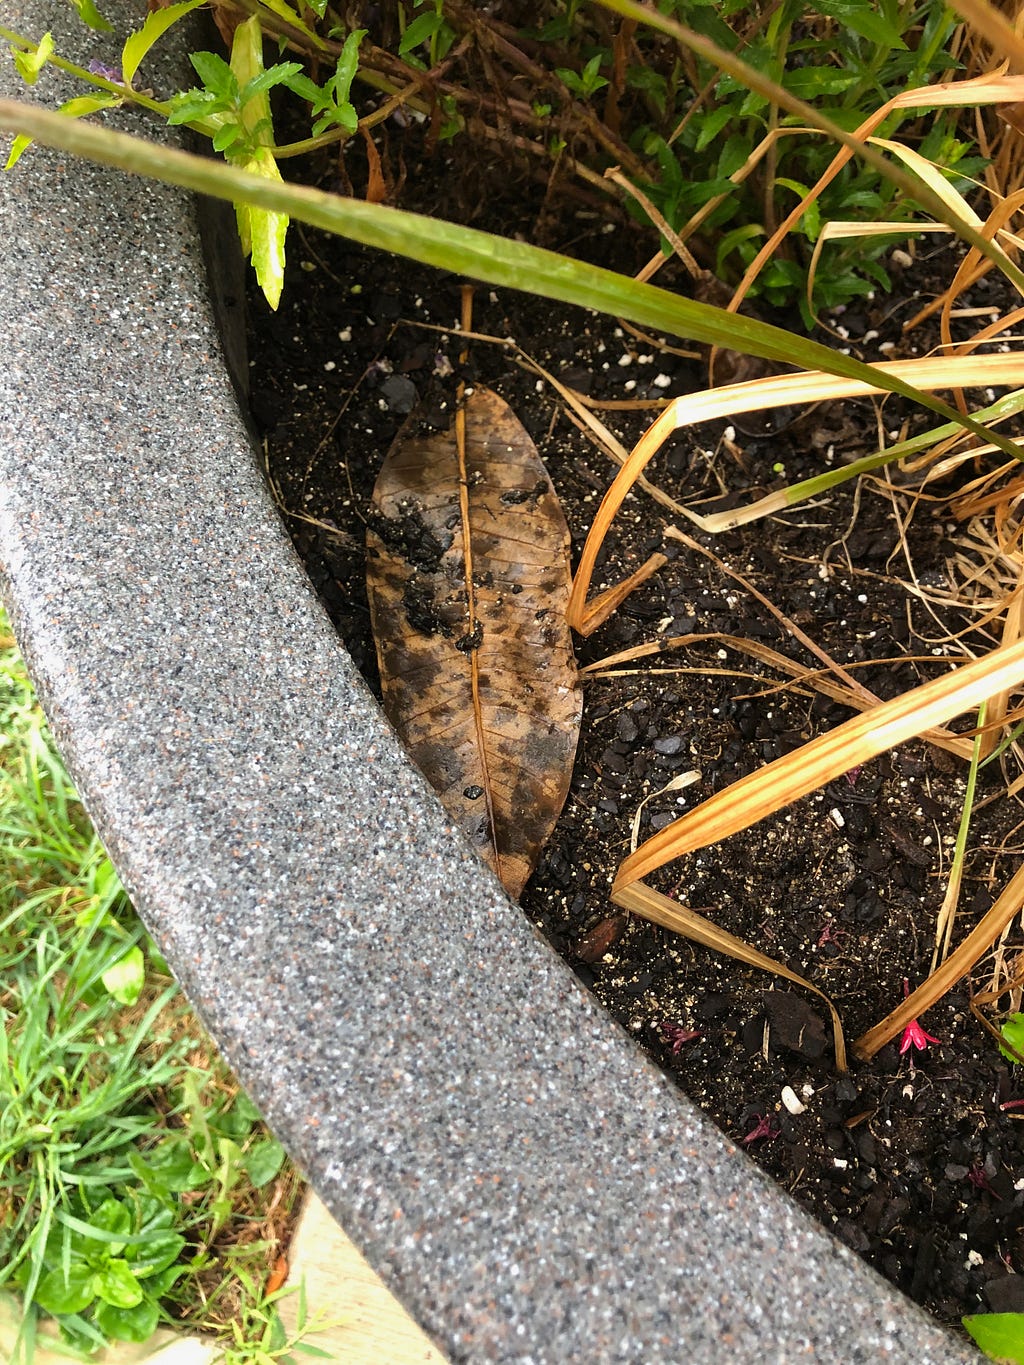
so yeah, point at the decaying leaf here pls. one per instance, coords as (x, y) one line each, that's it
(468, 579)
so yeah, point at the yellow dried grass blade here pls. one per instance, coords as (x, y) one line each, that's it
(992, 25)
(813, 765)
(986, 89)
(641, 899)
(819, 681)
(932, 176)
(776, 391)
(841, 231)
(958, 964)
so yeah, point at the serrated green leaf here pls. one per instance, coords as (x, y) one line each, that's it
(1000, 1335)
(30, 64)
(90, 15)
(348, 65)
(193, 104)
(18, 147)
(138, 44)
(864, 20)
(215, 73)
(116, 1285)
(71, 1293)
(265, 80)
(125, 979)
(306, 89)
(343, 117)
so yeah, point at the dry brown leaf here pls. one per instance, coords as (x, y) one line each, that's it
(468, 579)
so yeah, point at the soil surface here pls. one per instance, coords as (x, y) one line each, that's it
(909, 1159)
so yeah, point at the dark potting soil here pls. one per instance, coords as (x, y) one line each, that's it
(908, 1159)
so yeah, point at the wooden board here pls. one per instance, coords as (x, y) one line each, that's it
(374, 1329)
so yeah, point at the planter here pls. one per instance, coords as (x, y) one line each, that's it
(528, 1184)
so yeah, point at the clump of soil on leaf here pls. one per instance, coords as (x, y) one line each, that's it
(909, 1159)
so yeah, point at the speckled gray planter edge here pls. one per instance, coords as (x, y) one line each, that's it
(525, 1181)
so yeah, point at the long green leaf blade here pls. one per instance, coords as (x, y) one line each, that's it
(470, 252)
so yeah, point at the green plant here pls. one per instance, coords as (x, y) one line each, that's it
(429, 28)
(259, 1336)
(732, 159)
(128, 1157)
(1000, 1335)
(719, 156)
(1012, 1032)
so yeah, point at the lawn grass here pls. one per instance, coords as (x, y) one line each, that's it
(138, 1186)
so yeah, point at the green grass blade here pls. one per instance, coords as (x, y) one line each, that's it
(466, 251)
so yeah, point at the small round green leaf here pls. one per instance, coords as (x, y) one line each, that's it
(263, 1161)
(57, 1293)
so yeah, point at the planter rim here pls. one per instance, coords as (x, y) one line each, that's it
(530, 1186)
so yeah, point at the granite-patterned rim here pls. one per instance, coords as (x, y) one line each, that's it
(524, 1180)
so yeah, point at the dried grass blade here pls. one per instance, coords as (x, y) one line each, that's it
(606, 602)
(783, 498)
(1013, 629)
(813, 765)
(1005, 40)
(641, 899)
(802, 677)
(930, 174)
(945, 977)
(840, 231)
(776, 391)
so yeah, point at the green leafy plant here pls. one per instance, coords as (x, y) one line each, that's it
(126, 1151)
(588, 82)
(259, 1336)
(231, 107)
(113, 1262)
(429, 28)
(717, 156)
